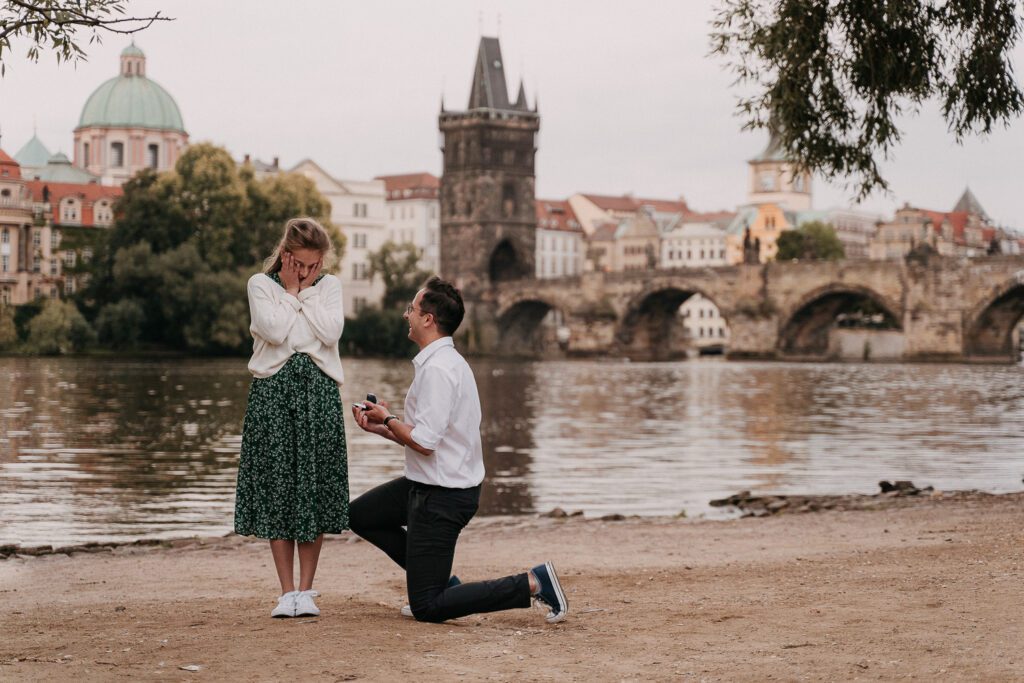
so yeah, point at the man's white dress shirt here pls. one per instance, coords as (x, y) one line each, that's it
(443, 407)
(283, 325)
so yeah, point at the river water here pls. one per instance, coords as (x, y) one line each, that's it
(98, 450)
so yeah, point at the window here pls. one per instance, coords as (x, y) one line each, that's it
(359, 210)
(5, 237)
(5, 264)
(37, 238)
(69, 259)
(360, 271)
(85, 154)
(5, 193)
(69, 211)
(117, 154)
(54, 239)
(86, 255)
(69, 284)
(53, 266)
(5, 295)
(358, 304)
(153, 156)
(359, 240)
(36, 264)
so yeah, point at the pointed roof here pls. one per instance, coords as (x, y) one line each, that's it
(521, 98)
(33, 154)
(970, 204)
(9, 168)
(489, 89)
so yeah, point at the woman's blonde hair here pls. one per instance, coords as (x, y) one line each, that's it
(300, 233)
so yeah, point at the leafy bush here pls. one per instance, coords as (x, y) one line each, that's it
(376, 332)
(60, 328)
(8, 330)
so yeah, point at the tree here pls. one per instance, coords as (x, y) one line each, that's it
(56, 25)
(814, 241)
(59, 328)
(831, 77)
(119, 324)
(184, 244)
(398, 266)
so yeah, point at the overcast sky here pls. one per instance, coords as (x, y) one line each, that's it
(630, 101)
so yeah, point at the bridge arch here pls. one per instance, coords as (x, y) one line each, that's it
(806, 330)
(532, 326)
(989, 328)
(652, 329)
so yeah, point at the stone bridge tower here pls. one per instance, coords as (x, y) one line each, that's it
(488, 218)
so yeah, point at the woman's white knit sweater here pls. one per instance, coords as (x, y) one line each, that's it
(283, 325)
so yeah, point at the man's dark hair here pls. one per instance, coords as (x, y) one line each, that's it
(444, 302)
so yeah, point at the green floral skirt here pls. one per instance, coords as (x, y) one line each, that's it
(293, 471)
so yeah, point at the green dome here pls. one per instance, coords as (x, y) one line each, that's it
(131, 102)
(132, 51)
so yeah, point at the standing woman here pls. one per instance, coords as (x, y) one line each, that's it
(293, 471)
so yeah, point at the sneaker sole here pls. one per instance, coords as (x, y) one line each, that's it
(562, 602)
(307, 614)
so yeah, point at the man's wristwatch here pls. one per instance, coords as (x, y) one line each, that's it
(388, 419)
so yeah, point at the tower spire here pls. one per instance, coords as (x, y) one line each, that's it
(489, 90)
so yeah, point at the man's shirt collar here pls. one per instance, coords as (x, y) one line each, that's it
(430, 349)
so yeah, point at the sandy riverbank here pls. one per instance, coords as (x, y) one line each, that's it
(928, 589)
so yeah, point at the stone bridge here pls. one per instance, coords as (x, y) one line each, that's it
(938, 309)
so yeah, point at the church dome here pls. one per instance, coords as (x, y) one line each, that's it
(131, 100)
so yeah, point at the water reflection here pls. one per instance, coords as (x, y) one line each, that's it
(118, 449)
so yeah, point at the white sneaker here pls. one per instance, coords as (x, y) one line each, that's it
(285, 605)
(304, 605)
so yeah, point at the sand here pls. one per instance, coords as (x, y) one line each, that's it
(932, 590)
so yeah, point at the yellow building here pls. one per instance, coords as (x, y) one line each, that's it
(776, 196)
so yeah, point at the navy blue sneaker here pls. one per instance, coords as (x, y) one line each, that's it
(549, 592)
(407, 611)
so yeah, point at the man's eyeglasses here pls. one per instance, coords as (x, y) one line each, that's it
(409, 309)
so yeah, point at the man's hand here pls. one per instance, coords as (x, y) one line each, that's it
(368, 425)
(376, 412)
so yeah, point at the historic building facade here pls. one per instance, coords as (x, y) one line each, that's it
(358, 209)
(560, 245)
(414, 214)
(488, 214)
(48, 229)
(129, 123)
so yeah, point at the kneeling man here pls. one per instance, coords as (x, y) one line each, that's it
(444, 468)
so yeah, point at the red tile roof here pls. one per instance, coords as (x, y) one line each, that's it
(89, 194)
(411, 185)
(9, 168)
(956, 219)
(607, 203)
(556, 214)
(628, 203)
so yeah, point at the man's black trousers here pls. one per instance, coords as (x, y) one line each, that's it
(433, 517)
